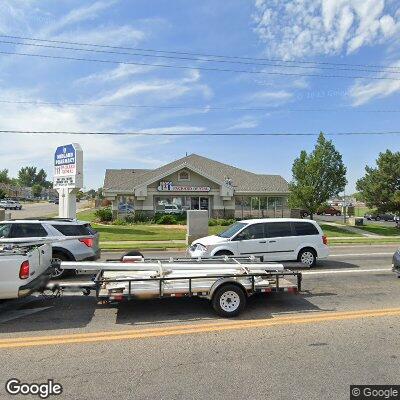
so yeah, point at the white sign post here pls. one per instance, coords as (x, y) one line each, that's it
(68, 177)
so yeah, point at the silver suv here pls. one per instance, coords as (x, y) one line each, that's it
(84, 248)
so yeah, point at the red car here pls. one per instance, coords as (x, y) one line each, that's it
(330, 211)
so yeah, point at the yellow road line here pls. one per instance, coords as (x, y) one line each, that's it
(193, 328)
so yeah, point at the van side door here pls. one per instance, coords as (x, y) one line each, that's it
(281, 240)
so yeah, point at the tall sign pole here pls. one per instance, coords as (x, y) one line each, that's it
(68, 177)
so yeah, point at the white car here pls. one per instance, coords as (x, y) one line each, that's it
(172, 209)
(274, 239)
(10, 205)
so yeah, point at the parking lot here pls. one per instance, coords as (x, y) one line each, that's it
(341, 329)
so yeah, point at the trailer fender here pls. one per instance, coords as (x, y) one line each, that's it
(223, 281)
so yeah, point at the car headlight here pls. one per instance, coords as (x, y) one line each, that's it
(200, 247)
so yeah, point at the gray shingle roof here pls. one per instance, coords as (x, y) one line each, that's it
(243, 181)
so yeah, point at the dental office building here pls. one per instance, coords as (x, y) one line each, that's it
(198, 183)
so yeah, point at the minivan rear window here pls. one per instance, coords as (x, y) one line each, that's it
(73, 230)
(305, 229)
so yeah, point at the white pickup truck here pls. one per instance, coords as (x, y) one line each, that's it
(24, 269)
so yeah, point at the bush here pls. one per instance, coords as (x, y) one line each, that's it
(104, 214)
(222, 222)
(137, 217)
(167, 219)
(119, 221)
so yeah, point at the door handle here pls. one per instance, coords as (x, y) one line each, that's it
(263, 241)
(272, 241)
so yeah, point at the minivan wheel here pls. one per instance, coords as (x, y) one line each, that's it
(58, 271)
(228, 300)
(308, 257)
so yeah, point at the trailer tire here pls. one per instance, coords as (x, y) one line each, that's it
(132, 253)
(229, 300)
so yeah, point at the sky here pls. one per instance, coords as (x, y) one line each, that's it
(330, 32)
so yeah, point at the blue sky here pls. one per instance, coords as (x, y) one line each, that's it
(334, 31)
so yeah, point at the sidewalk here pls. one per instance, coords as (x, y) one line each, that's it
(354, 229)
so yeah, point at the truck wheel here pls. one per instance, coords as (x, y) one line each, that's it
(59, 272)
(228, 300)
(308, 256)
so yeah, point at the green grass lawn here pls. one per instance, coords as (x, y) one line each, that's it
(335, 231)
(381, 229)
(87, 215)
(139, 232)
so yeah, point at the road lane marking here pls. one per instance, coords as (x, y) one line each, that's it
(92, 337)
(361, 254)
(346, 271)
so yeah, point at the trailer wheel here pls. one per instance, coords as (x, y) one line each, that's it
(229, 300)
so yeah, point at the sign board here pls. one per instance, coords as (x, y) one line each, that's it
(68, 166)
(169, 187)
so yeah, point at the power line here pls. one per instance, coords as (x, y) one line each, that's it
(197, 59)
(199, 108)
(197, 67)
(138, 133)
(199, 54)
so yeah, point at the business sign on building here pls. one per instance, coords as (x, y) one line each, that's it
(68, 166)
(170, 187)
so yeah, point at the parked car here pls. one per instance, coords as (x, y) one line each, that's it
(125, 208)
(84, 248)
(330, 211)
(10, 205)
(396, 263)
(172, 209)
(274, 239)
(380, 217)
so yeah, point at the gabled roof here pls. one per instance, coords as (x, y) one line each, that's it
(243, 181)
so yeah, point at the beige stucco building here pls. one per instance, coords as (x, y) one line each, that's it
(196, 182)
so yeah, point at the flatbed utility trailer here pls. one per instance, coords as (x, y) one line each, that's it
(227, 281)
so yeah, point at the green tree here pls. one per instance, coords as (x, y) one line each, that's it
(27, 176)
(36, 190)
(4, 176)
(317, 176)
(380, 187)
(3, 194)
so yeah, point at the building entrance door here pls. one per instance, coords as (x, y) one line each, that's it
(200, 203)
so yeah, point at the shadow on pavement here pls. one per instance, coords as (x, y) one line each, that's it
(40, 314)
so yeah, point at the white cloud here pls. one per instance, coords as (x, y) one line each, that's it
(299, 28)
(246, 122)
(364, 91)
(79, 14)
(158, 89)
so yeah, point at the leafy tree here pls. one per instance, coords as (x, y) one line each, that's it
(91, 193)
(4, 176)
(3, 194)
(317, 176)
(36, 190)
(380, 187)
(27, 176)
(79, 195)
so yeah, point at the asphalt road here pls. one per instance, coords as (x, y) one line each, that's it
(341, 330)
(37, 210)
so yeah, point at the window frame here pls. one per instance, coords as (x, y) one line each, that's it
(293, 233)
(184, 179)
(248, 227)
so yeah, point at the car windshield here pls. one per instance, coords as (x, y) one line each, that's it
(232, 230)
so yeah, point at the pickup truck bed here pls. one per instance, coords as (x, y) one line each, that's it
(24, 269)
